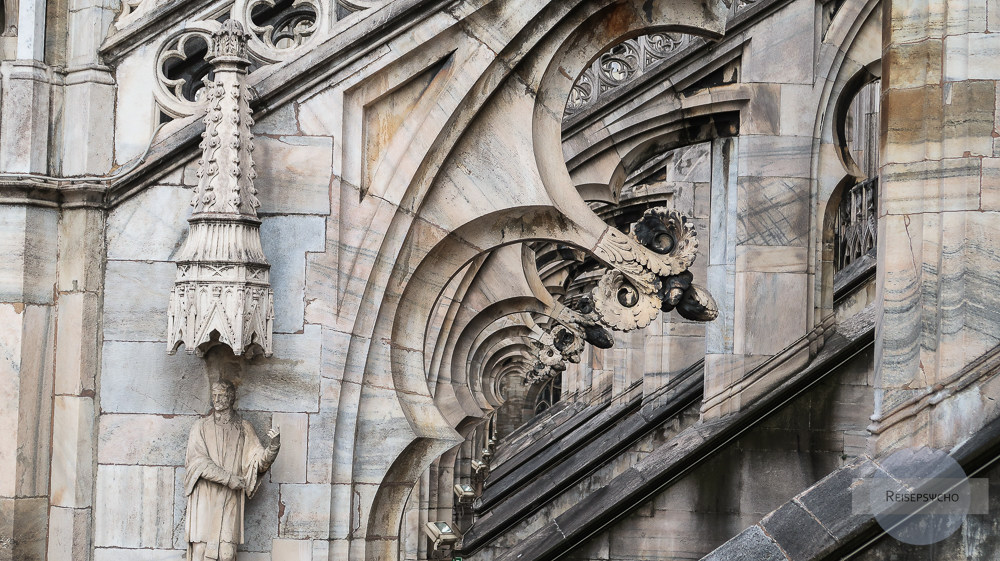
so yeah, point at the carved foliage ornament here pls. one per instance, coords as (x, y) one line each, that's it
(222, 293)
(557, 346)
(649, 273)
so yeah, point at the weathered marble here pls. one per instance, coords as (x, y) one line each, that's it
(150, 226)
(305, 512)
(294, 174)
(136, 439)
(427, 211)
(143, 521)
(179, 386)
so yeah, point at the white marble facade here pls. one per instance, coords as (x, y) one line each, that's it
(412, 157)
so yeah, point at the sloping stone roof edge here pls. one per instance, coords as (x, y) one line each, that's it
(687, 450)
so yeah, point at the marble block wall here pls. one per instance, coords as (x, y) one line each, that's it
(770, 187)
(383, 178)
(938, 221)
(149, 399)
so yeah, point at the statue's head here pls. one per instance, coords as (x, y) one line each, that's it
(223, 395)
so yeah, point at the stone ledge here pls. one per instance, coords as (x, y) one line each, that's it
(825, 510)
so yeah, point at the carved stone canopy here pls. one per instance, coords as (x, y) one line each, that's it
(222, 292)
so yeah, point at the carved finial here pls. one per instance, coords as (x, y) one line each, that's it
(222, 294)
(229, 44)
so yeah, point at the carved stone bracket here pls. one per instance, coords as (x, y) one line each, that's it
(222, 293)
(649, 273)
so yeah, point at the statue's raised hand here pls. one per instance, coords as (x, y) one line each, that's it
(275, 436)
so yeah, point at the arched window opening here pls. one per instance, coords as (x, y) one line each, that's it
(857, 218)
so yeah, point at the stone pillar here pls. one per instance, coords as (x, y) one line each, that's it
(27, 339)
(80, 275)
(722, 366)
(939, 227)
(31, 30)
(24, 135)
(88, 110)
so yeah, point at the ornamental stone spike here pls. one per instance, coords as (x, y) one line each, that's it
(222, 292)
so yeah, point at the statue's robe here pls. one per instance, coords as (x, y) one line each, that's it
(216, 452)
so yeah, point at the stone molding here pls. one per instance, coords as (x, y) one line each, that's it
(222, 292)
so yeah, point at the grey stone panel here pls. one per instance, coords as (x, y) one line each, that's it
(800, 535)
(550, 481)
(829, 501)
(631, 489)
(751, 545)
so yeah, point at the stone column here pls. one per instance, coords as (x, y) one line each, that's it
(89, 92)
(31, 30)
(74, 418)
(27, 340)
(24, 134)
(939, 227)
(722, 365)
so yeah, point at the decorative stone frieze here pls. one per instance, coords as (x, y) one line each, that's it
(622, 64)
(222, 292)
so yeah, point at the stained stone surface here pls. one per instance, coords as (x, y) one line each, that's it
(426, 212)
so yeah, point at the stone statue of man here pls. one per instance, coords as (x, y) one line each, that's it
(223, 467)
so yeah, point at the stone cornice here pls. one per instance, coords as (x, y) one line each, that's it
(51, 193)
(160, 18)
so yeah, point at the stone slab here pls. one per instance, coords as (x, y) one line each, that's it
(139, 377)
(136, 296)
(286, 239)
(151, 226)
(123, 554)
(293, 174)
(144, 439)
(750, 545)
(289, 381)
(72, 451)
(305, 511)
(800, 536)
(290, 465)
(145, 520)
